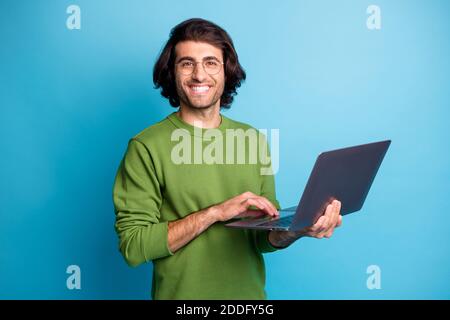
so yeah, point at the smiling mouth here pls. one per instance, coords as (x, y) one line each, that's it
(199, 90)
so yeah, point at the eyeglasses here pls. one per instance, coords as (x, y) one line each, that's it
(187, 67)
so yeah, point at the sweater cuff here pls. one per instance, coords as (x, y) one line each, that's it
(156, 244)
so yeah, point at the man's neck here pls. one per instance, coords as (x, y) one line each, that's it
(204, 118)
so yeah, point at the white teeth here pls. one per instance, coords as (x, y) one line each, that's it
(200, 89)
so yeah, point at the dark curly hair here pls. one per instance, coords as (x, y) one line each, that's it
(202, 31)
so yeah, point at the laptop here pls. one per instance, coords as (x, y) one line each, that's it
(343, 174)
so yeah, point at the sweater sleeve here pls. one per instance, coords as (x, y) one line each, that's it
(267, 191)
(137, 200)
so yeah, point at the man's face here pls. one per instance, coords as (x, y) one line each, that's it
(198, 90)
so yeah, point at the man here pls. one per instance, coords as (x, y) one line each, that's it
(173, 213)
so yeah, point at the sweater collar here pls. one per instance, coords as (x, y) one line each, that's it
(193, 130)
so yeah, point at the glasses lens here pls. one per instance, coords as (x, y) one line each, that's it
(186, 67)
(211, 66)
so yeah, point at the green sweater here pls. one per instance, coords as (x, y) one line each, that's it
(150, 190)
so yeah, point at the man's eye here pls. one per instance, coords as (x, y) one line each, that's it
(211, 63)
(186, 64)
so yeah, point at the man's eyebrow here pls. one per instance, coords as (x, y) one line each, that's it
(185, 58)
(192, 59)
(210, 58)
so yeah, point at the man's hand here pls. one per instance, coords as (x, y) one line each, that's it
(324, 227)
(326, 224)
(237, 207)
(184, 230)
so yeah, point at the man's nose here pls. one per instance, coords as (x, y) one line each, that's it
(199, 73)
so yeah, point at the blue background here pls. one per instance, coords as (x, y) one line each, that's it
(71, 99)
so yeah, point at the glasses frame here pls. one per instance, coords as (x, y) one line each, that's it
(203, 65)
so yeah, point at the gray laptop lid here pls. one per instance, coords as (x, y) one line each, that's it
(344, 174)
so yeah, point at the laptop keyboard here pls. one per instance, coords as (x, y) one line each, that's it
(282, 222)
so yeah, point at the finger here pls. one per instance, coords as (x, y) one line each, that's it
(318, 236)
(269, 205)
(255, 202)
(327, 218)
(334, 216)
(338, 212)
(248, 194)
(266, 202)
(318, 225)
(325, 225)
(339, 221)
(328, 210)
(251, 214)
(325, 234)
(247, 202)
